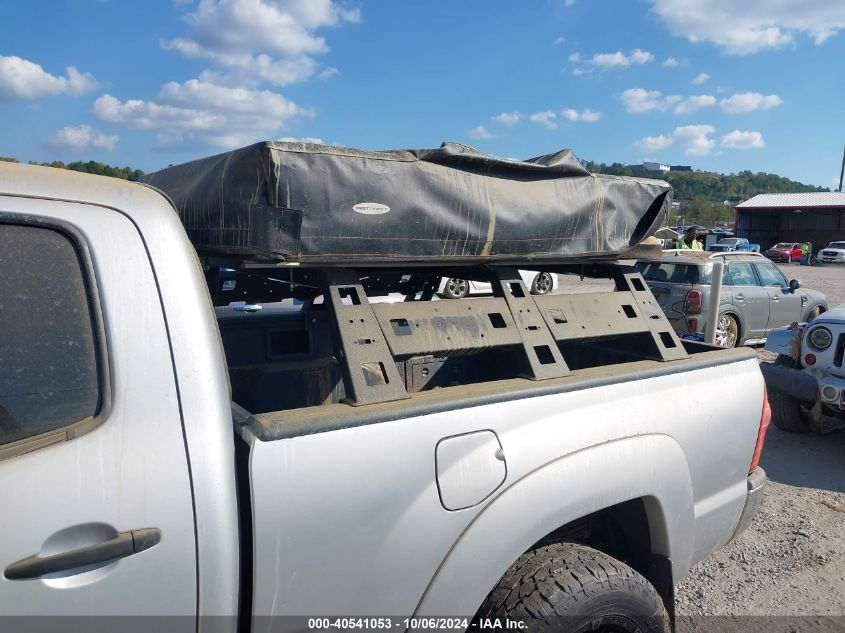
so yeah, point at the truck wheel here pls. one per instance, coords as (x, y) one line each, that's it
(569, 588)
(456, 288)
(542, 284)
(814, 313)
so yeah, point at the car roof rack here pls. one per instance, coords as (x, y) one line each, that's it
(737, 254)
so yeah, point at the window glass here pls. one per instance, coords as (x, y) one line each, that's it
(49, 375)
(673, 273)
(741, 274)
(770, 275)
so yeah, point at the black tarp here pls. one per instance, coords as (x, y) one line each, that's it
(315, 204)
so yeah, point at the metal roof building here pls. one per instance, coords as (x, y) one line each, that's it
(816, 217)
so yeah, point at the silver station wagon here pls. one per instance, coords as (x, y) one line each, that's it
(755, 296)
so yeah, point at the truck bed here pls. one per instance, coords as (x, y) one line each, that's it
(342, 486)
(377, 489)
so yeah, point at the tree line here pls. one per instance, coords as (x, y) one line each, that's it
(88, 167)
(702, 194)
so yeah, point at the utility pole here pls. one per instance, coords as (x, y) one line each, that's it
(842, 172)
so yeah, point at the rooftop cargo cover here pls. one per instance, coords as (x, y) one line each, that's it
(318, 204)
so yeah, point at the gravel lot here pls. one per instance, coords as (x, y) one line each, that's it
(788, 568)
(791, 560)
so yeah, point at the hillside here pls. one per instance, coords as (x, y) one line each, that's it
(89, 167)
(702, 194)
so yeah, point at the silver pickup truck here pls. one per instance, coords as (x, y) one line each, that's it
(414, 493)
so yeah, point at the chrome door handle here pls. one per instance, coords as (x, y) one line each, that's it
(740, 297)
(775, 298)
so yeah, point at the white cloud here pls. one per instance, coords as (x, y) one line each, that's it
(582, 71)
(23, 79)
(546, 118)
(752, 25)
(83, 137)
(587, 115)
(639, 100)
(748, 102)
(328, 73)
(743, 140)
(260, 40)
(569, 3)
(696, 139)
(671, 62)
(619, 59)
(655, 143)
(575, 58)
(480, 133)
(197, 114)
(508, 118)
(559, 40)
(700, 78)
(693, 103)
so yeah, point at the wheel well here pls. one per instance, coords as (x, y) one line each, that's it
(621, 531)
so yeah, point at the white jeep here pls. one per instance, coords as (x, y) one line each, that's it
(806, 383)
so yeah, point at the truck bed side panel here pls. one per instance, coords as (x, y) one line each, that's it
(350, 522)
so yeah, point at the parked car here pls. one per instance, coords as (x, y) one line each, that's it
(386, 463)
(833, 253)
(784, 252)
(731, 244)
(807, 380)
(457, 288)
(755, 296)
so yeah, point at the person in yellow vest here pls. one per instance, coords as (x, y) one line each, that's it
(805, 254)
(688, 241)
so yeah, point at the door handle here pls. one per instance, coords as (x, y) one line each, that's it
(123, 545)
(740, 297)
(775, 298)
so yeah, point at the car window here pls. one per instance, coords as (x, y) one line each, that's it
(836, 245)
(741, 274)
(49, 374)
(770, 275)
(672, 273)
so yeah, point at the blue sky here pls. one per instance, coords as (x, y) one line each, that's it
(722, 85)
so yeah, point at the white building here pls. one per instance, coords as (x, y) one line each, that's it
(655, 167)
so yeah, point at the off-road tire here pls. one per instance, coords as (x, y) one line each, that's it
(569, 588)
(787, 413)
(814, 313)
